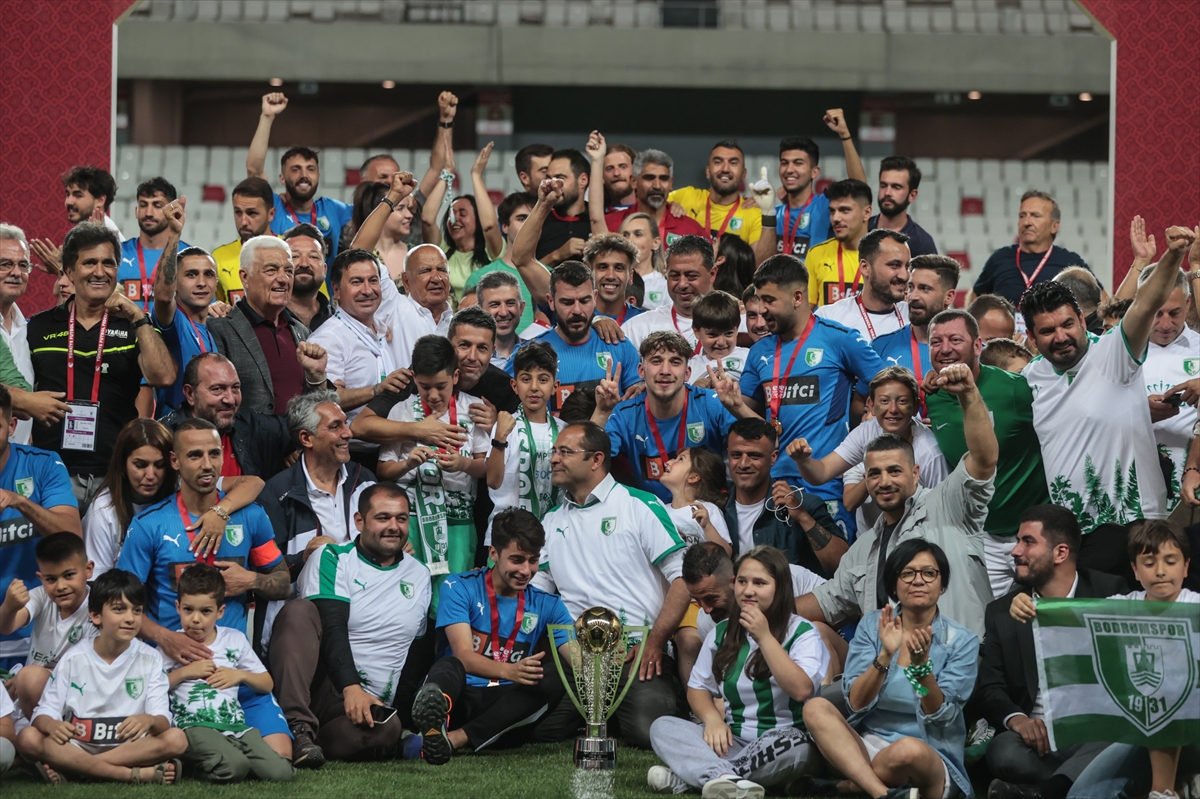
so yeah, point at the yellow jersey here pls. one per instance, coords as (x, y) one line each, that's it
(832, 273)
(229, 278)
(746, 223)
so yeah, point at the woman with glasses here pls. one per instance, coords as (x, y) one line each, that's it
(908, 674)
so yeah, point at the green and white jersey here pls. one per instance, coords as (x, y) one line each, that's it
(526, 481)
(388, 608)
(52, 634)
(195, 703)
(755, 707)
(1097, 440)
(1165, 368)
(611, 551)
(97, 696)
(734, 364)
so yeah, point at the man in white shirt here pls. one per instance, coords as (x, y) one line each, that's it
(612, 546)
(425, 308)
(690, 273)
(879, 308)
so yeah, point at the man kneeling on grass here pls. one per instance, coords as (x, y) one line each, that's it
(105, 713)
(489, 682)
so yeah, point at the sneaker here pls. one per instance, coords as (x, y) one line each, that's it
(977, 740)
(1163, 795)
(750, 790)
(410, 745)
(305, 752)
(723, 787)
(1191, 787)
(813, 786)
(431, 713)
(902, 792)
(662, 780)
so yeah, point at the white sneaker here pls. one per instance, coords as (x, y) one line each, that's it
(1191, 787)
(662, 780)
(750, 790)
(723, 787)
(1163, 795)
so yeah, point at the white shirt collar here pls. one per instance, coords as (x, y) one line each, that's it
(312, 487)
(598, 494)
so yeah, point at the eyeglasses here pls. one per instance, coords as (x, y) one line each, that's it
(563, 452)
(7, 266)
(927, 575)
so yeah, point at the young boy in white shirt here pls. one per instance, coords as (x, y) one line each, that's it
(716, 317)
(222, 748)
(58, 609)
(106, 702)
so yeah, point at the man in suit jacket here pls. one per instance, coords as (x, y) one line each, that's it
(262, 338)
(1008, 691)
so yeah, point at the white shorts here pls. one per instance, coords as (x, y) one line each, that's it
(997, 558)
(875, 744)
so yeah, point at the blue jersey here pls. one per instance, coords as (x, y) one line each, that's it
(815, 402)
(583, 365)
(156, 551)
(708, 423)
(895, 349)
(185, 339)
(464, 600)
(40, 476)
(137, 283)
(628, 313)
(810, 225)
(328, 216)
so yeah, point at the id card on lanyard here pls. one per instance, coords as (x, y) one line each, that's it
(80, 423)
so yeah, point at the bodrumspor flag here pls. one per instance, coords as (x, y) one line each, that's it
(1119, 670)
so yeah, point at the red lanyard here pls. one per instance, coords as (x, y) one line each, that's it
(186, 518)
(708, 218)
(196, 332)
(1029, 280)
(453, 409)
(842, 277)
(147, 287)
(621, 315)
(675, 321)
(776, 385)
(502, 655)
(658, 442)
(918, 371)
(867, 317)
(789, 237)
(71, 356)
(295, 219)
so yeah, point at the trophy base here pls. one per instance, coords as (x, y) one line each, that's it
(595, 754)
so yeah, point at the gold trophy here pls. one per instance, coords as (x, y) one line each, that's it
(601, 643)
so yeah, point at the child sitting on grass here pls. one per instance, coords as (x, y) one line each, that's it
(105, 712)
(204, 694)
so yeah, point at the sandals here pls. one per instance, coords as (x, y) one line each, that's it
(160, 773)
(44, 772)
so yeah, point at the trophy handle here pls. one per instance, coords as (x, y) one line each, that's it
(562, 675)
(633, 669)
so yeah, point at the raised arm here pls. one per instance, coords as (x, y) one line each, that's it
(596, 148)
(485, 211)
(836, 120)
(442, 142)
(157, 365)
(764, 198)
(430, 231)
(372, 227)
(168, 265)
(524, 248)
(1154, 292)
(983, 451)
(1144, 250)
(816, 472)
(256, 159)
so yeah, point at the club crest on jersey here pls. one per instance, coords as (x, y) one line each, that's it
(604, 359)
(75, 634)
(609, 525)
(695, 432)
(735, 224)
(1191, 366)
(134, 687)
(406, 588)
(24, 487)
(529, 623)
(731, 363)
(323, 222)
(813, 356)
(234, 534)
(655, 296)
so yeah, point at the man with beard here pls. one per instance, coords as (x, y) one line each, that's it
(1020, 480)
(655, 177)
(533, 164)
(690, 272)
(879, 308)
(899, 178)
(618, 178)
(140, 256)
(300, 174)
(253, 443)
(308, 301)
(1008, 691)
(566, 230)
(253, 211)
(499, 295)
(720, 207)
(90, 193)
(833, 265)
(1090, 409)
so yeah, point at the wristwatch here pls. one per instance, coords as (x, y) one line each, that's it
(145, 320)
(445, 124)
(499, 444)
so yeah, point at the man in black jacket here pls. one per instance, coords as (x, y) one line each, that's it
(1008, 691)
(255, 443)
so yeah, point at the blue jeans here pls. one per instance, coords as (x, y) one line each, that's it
(1123, 770)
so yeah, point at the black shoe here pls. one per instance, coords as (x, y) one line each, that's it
(431, 710)
(305, 752)
(812, 786)
(901, 792)
(999, 789)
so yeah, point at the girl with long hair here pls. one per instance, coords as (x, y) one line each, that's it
(765, 662)
(696, 479)
(642, 230)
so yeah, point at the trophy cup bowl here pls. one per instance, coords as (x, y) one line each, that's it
(601, 643)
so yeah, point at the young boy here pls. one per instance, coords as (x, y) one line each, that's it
(715, 320)
(440, 483)
(204, 694)
(105, 712)
(518, 471)
(489, 680)
(58, 609)
(1006, 354)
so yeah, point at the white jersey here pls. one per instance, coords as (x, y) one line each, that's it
(97, 696)
(872, 324)
(690, 530)
(195, 703)
(1166, 367)
(747, 711)
(1185, 595)
(101, 532)
(734, 364)
(388, 609)
(526, 481)
(358, 356)
(655, 283)
(642, 325)
(52, 634)
(932, 465)
(1097, 439)
(611, 551)
(803, 582)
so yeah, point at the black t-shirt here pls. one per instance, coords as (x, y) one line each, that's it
(494, 385)
(919, 240)
(120, 381)
(558, 229)
(1000, 276)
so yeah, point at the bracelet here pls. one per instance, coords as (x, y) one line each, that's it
(390, 204)
(915, 673)
(1195, 469)
(499, 444)
(217, 509)
(308, 382)
(442, 124)
(883, 669)
(446, 175)
(845, 138)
